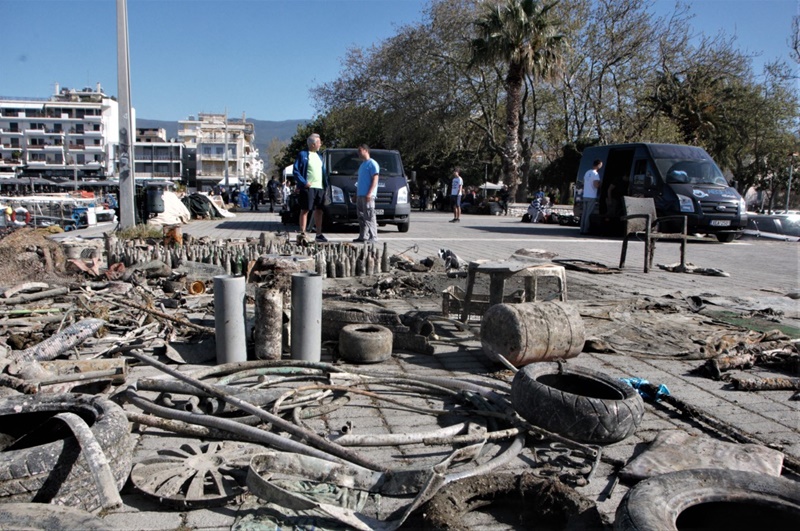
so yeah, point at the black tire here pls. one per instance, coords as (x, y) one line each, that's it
(403, 227)
(365, 343)
(337, 315)
(49, 467)
(710, 499)
(576, 402)
(726, 237)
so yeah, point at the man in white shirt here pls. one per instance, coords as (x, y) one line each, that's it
(591, 186)
(455, 196)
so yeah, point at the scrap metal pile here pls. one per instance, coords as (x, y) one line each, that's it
(363, 439)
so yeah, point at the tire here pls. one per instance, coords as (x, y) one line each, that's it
(403, 227)
(365, 343)
(710, 499)
(48, 467)
(726, 237)
(337, 315)
(576, 402)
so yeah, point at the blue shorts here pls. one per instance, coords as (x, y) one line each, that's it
(311, 198)
(455, 201)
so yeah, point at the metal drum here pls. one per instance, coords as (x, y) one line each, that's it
(532, 331)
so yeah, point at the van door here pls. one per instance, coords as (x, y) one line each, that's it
(643, 181)
(615, 180)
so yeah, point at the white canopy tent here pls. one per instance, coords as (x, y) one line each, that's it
(491, 186)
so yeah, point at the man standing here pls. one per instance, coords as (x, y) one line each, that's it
(272, 192)
(309, 173)
(366, 191)
(455, 195)
(255, 188)
(591, 185)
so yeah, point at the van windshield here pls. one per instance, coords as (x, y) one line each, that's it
(691, 172)
(348, 162)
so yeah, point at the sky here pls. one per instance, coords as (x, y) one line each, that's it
(259, 58)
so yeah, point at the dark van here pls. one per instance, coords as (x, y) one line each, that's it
(393, 203)
(680, 179)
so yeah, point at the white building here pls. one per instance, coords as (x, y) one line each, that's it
(74, 133)
(208, 136)
(155, 157)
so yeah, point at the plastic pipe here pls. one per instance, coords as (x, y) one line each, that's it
(306, 316)
(229, 318)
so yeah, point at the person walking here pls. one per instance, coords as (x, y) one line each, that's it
(272, 192)
(366, 191)
(456, 186)
(255, 188)
(591, 186)
(309, 174)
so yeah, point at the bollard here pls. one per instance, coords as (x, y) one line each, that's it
(229, 319)
(306, 316)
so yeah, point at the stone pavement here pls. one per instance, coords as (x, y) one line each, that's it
(759, 270)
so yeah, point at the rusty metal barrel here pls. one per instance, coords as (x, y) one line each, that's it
(532, 331)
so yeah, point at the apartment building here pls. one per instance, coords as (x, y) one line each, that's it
(72, 134)
(207, 138)
(155, 156)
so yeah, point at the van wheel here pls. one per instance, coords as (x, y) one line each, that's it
(726, 237)
(403, 227)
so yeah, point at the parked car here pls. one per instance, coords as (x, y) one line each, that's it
(784, 227)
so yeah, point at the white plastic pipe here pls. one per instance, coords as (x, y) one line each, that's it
(229, 318)
(306, 316)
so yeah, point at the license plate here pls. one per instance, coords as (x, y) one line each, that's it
(378, 211)
(720, 223)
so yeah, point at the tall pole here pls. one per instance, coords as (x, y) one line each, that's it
(789, 189)
(126, 125)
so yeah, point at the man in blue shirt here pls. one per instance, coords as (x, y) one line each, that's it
(309, 173)
(366, 191)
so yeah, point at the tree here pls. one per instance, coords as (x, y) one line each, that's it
(522, 35)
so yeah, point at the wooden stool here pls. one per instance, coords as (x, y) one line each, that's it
(499, 271)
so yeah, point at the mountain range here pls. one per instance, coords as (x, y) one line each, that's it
(265, 130)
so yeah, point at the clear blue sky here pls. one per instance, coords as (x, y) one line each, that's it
(258, 57)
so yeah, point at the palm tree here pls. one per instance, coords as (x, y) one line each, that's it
(521, 34)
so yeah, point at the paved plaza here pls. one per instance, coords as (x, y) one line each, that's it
(759, 273)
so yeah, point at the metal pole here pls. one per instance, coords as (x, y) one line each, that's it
(789, 189)
(306, 316)
(229, 318)
(126, 123)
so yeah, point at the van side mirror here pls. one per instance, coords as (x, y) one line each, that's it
(413, 176)
(649, 180)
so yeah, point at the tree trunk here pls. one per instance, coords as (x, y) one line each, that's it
(510, 154)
